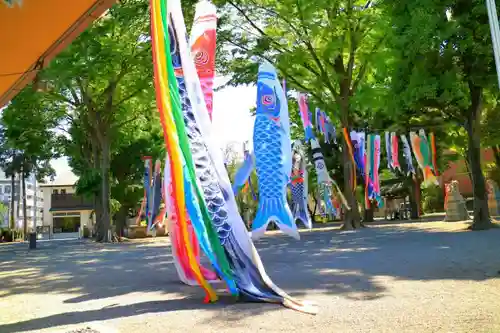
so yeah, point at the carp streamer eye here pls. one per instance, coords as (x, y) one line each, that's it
(201, 58)
(268, 100)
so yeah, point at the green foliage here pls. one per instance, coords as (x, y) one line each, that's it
(28, 140)
(492, 171)
(89, 182)
(432, 199)
(6, 235)
(115, 206)
(323, 48)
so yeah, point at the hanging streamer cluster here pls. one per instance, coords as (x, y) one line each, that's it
(200, 200)
(325, 127)
(372, 163)
(365, 152)
(152, 209)
(298, 185)
(329, 192)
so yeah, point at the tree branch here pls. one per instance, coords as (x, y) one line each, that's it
(123, 123)
(278, 46)
(62, 98)
(132, 95)
(364, 66)
(313, 53)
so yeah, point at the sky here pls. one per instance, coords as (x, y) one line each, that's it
(232, 123)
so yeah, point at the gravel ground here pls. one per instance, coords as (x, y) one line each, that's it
(414, 277)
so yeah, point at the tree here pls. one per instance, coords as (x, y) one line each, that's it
(28, 141)
(105, 80)
(4, 210)
(445, 65)
(322, 48)
(10, 164)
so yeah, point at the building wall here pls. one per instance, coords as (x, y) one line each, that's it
(47, 216)
(6, 193)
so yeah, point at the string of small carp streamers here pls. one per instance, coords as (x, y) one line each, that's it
(365, 150)
(246, 275)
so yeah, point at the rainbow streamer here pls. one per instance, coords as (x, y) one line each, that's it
(169, 108)
(197, 206)
(250, 276)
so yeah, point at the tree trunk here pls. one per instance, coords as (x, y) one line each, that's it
(105, 193)
(121, 219)
(415, 198)
(97, 216)
(25, 218)
(481, 219)
(352, 219)
(496, 154)
(368, 215)
(12, 201)
(96, 162)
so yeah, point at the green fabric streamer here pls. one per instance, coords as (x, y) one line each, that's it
(424, 149)
(186, 151)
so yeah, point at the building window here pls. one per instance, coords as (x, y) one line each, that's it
(7, 189)
(29, 186)
(1, 189)
(30, 197)
(55, 191)
(63, 191)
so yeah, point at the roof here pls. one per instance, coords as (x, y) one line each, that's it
(393, 188)
(71, 209)
(34, 32)
(56, 185)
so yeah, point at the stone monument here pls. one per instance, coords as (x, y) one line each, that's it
(455, 204)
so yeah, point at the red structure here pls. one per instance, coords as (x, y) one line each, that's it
(458, 171)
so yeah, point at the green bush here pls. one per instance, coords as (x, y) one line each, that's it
(432, 199)
(6, 235)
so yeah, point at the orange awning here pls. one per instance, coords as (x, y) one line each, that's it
(34, 31)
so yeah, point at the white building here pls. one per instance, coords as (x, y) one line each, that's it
(64, 212)
(33, 194)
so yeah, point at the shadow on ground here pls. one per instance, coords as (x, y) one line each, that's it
(345, 264)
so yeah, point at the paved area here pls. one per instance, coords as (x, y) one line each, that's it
(414, 277)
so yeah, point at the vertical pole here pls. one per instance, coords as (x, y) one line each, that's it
(495, 33)
(35, 202)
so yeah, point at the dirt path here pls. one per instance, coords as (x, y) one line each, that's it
(415, 277)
